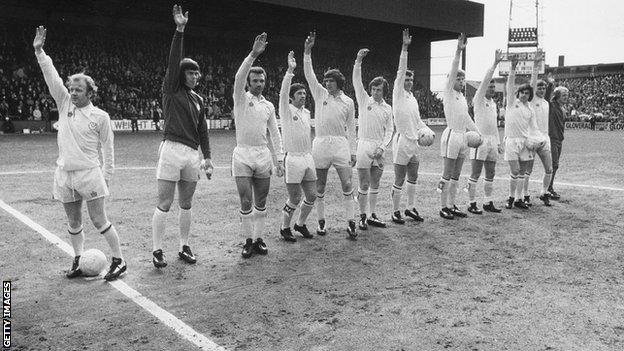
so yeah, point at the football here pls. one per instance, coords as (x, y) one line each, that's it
(473, 138)
(426, 136)
(92, 262)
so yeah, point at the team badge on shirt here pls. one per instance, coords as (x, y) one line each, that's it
(324, 102)
(92, 125)
(370, 108)
(70, 114)
(250, 104)
(295, 118)
(93, 194)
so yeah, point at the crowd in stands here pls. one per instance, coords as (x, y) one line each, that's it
(600, 98)
(129, 70)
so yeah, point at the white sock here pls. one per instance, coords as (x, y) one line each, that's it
(76, 235)
(488, 187)
(443, 188)
(372, 197)
(246, 223)
(287, 214)
(159, 221)
(525, 185)
(260, 221)
(306, 208)
(396, 197)
(520, 187)
(112, 238)
(320, 206)
(546, 182)
(362, 200)
(452, 193)
(185, 226)
(472, 189)
(348, 204)
(513, 184)
(410, 188)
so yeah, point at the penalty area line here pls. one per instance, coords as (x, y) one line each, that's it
(164, 316)
(587, 186)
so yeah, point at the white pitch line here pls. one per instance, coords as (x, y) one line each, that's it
(167, 318)
(588, 186)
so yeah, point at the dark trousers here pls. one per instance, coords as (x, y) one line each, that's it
(555, 149)
(134, 124)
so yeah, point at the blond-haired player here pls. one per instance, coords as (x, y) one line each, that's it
(83, 131)
(453, 145)
(486, 154)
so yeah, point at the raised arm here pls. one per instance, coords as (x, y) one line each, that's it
(485, 83)
(284, 109)
(108, 151)
(400, 78)
(537, 60)
(240, 80)
(511, 79)
(53, 80)
(550, 87)
(360, 91)
(172, 76)
(461, 45)
(308, 71)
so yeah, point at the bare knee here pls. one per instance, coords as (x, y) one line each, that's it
(295, 199)
(164, 203)
(74, 222)
(98, 220)
(320, 187)
(347, 186)
(399, 180)
(364, 185)
(246, 204)
(310, 198)
(185, 204)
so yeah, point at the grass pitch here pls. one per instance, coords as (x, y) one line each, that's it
(543, 279)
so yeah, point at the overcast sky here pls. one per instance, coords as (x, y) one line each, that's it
(585, 32)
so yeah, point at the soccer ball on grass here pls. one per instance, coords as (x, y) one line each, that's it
(92, 262)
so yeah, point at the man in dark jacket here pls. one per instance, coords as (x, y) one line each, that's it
(556, 125)
(185, 130)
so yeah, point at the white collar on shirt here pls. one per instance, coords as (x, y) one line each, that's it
(372, 101)
(253, 97)
(85, 111)
(341, 95)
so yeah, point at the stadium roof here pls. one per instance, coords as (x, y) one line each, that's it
(444, 15)
(435, 19)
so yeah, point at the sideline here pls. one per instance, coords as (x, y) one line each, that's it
(164, 316)
(587, 186)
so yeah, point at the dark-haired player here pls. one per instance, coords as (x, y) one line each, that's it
(300, 172)
(252, 159)
(185, 129)
(334, 114)
(374, 137)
